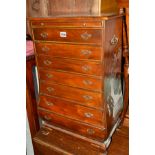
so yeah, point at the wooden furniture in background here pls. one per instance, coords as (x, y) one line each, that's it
(124, 8)
(31, 104)
(44, 8)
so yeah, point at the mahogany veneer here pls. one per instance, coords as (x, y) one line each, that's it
(79, 61)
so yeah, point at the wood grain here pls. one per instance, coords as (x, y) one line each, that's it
(72, 110)
(75, 126)
(69, 79)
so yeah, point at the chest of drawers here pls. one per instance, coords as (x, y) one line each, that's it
(79, 69)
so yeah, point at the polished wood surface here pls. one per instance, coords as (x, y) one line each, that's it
(64, 143)
(119, 145)
(85, 67)
(75, 126)
(75, 80)
(72, 110)
(83, 52)
(100, 120)
(120, 142)
(90, 36)
(87, 98)
(31, 104)
(36, 8)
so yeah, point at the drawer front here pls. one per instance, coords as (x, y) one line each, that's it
(72, 125)
(72, 110)
(87, 98)
(92, 36)
(70, 79)
(69, 51)
(43, 148)
(66, 24)
(85, 67)
(65, 143)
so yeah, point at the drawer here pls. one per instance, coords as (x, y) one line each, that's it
(69, 51)
(85, 67)
(87, 98)
(70, 79)
(72, 110)
(49, 141)
(42, 147)
(92, 36)
(66, 24)
(72, 125)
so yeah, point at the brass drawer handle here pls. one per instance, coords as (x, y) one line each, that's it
(90, 131)
(45, 132)
(47, 62)
(87, 97)
(87, 82)
(42, 24)
(86, 36)
(49, 89)
(45, 49)
(49, 75)
(88, 115)
(114, 40)
(49, 103)
(44, 35)
(86, 52)
(47, 118)
(86, 68)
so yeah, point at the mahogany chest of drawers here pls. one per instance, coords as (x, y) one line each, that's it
(79, 69)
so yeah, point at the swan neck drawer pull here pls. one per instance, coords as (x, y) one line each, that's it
(86, 52)
(45, 132)
(47, 62)
(90, 131)
(88, 115)
(87, 82)
(44, 35)
(86, 36)
(49, 75)
(49, 103)
(47, 118)
(49, 89)
(45, 49)
(86, 68)
(87, 97)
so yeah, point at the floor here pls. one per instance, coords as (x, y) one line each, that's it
(120, 142)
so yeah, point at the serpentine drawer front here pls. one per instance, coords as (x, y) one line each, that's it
(79, 69)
